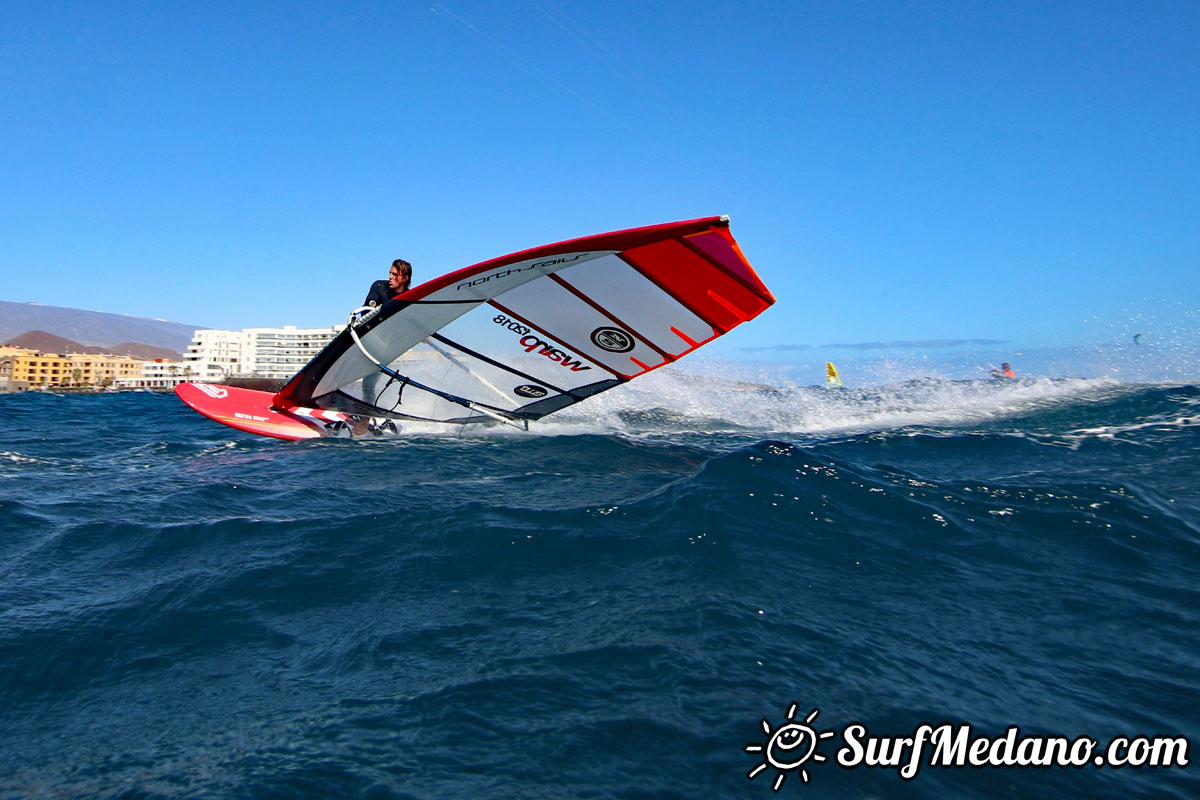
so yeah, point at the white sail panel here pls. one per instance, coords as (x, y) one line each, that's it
(555, 310)
(640, 304)
(401, 332)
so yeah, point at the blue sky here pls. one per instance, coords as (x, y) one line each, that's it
(1025, 173)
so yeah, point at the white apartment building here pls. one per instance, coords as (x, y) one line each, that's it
(279, 353)
(214, 355)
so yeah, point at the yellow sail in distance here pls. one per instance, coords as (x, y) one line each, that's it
(831, 375)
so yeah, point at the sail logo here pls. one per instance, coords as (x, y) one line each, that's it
(530, 390)
(544, 348)
(511, 324)
(215, 392)
(614, 340)
(504, 273)
(563, 260)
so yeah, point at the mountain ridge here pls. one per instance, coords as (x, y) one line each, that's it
(94, 328)
(44, 342)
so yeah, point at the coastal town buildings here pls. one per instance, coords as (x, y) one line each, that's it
(44, 370)
(213, 356)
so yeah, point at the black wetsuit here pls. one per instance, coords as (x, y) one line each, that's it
(379, 294)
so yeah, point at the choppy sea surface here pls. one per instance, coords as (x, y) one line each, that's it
(614, 605)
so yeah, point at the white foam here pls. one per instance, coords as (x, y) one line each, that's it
(672, 400)
(20, 458)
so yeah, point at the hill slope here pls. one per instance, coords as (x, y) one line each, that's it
(95, 328)
(45, 342)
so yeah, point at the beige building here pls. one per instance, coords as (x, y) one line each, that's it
(89, 369)
(39, 369)
(7, 382)
(159, 374)
(47, 370)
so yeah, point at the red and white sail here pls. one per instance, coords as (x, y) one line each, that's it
(522, 336)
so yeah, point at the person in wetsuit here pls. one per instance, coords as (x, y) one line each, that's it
(398, 279)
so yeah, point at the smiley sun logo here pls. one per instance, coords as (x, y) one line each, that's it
(787, 749)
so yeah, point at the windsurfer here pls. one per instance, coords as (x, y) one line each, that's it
(1005, 371)
(398, 279)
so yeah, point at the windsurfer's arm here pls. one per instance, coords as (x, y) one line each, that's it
(373, 296)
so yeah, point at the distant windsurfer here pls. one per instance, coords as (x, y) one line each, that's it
(1005, 371)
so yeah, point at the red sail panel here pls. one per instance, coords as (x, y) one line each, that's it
(708, 290)
(719, 245)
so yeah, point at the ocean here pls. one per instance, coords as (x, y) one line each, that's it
(633, 600)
